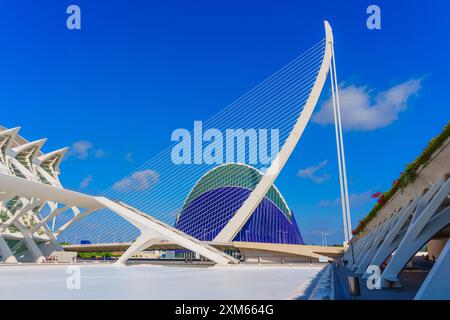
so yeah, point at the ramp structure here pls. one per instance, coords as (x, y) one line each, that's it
(396, 240)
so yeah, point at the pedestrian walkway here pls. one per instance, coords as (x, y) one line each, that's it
(411, 280)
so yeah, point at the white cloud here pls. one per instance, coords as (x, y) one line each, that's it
(99, 154)
(362, 110)
(312, 173)
(83, 149)
(138, 181)
(356, 200)
(86, 182)
(129, 157)
(80, 149)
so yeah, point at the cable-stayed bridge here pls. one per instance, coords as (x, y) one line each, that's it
(155, 201)
(284, 101)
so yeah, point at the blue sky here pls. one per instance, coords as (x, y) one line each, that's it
(138, 70)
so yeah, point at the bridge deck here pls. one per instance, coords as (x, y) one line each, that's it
(301, 250)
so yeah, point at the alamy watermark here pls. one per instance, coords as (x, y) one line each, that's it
(73, 21)
(73, 281)
(374, 280)
(213, 146)
(374, 20)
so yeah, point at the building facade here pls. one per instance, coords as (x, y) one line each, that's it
(25, 234)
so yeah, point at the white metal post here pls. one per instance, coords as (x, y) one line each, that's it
(346, 215)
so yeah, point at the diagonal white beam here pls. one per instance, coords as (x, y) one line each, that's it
(387, 247)
(152, 229)
(12, 220)
(52, 215)
(25, 188)
(78, 217)
(374, 246)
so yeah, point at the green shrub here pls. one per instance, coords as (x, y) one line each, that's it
(407, 177)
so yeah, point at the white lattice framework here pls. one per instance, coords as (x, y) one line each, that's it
(29, 181)
(22, 222)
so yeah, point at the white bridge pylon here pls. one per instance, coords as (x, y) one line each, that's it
(152, 230)
(244, 213)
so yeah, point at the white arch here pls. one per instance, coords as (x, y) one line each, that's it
(244, 213)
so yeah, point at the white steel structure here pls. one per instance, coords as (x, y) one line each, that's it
(29, 183)
(346, 216)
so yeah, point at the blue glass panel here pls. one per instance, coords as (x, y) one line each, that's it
(208, 214)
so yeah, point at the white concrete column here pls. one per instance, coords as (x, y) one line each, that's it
(412, 244)
(32, 247)
(7, 255)
(363, 248)
(368, 256)
(53, 241)
(394, 236)
(144, 241)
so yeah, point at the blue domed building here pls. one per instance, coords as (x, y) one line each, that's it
(220, 193)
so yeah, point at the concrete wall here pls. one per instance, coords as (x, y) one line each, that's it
(261, 256)
(64, 257)
(435, 247)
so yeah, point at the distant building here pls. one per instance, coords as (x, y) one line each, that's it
(147, 255)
